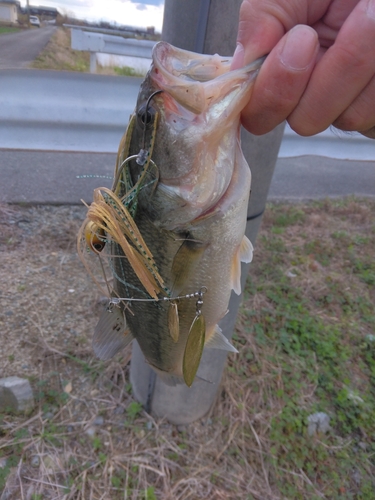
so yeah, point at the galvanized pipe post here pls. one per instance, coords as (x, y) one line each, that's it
(208, 27)
(92, 62)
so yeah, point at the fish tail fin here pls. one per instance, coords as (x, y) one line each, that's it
(110, 334)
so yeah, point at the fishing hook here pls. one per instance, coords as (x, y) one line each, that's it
(133, 157)
(141, 160)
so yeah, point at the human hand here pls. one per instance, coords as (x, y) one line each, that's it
(320, 68)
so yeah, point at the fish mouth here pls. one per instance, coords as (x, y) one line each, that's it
(196, 81)
(189, 66)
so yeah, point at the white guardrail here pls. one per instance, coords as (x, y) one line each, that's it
(332, 143)
(66, 111)
(109, 44)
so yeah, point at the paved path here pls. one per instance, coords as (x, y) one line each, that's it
(18, 50)
(41, 177)
(317, 177)
(65, 178)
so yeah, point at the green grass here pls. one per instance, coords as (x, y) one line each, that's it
(126, 71)
(8, 29)
(314, 331)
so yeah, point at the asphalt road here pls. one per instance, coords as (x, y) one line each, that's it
(40, 177)
(18, 50)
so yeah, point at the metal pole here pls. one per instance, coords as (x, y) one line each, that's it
(183, 28)
(28, 13)
(92, 62)
(200, 37)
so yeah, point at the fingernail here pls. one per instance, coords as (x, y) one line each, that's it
(299, 48)
(371, 9)
(238, 57)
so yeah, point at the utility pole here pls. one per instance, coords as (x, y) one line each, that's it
(28, 13)
(208, 27)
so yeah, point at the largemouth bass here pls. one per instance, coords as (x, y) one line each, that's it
(172, 227)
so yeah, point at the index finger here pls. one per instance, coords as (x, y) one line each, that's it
(341, 74)
(263, 24)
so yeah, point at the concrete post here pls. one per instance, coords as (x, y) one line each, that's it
(210, 26)
(92, 62)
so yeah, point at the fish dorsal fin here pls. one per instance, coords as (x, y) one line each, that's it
(219, 341)
(110, 334)
(244, 254)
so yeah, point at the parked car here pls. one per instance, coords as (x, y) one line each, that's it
(34, 21)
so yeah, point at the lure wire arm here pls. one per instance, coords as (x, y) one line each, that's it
(198, 295)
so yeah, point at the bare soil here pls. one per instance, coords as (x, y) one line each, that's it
(88, 439)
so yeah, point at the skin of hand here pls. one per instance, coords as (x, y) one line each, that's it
(320, 69)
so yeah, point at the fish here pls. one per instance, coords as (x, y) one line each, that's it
(172, 227)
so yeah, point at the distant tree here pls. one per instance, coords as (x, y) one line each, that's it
(61, 19)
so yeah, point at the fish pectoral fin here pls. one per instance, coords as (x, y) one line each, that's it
(246, 250)
(219, 341)
(173, 321)
(110, 334)
(244, 254)
(184, 264)
(236, 274)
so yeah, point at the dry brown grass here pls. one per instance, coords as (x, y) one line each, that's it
(88, 439)
(59, 55)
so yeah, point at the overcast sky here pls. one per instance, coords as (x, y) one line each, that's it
(140, 13)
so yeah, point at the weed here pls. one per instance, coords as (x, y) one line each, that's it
(8, 29)
(289, 217)
(11, 461)
(133, 410)
(126, 71)
(150, 493)
(96, 443)
(365, 270)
